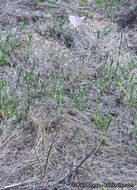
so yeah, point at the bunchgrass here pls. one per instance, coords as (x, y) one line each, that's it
(103, 122)
(8, 100)
(7, 45)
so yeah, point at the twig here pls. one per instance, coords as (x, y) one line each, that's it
(84, 160)
(120, 45)
(38, 5)
(102, 142)
(8, 139)
(18, 184)
(46, 165)
(68, 177)
(90, 155)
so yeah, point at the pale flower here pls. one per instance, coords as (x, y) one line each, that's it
(75, 20)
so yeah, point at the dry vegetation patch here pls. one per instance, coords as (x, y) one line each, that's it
(68, 95)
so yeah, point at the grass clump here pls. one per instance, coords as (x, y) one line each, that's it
(7, 45)
(109, 5)
(8, 100)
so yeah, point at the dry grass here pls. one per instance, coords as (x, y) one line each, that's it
(68, 96)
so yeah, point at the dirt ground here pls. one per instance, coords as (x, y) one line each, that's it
(26, 161)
